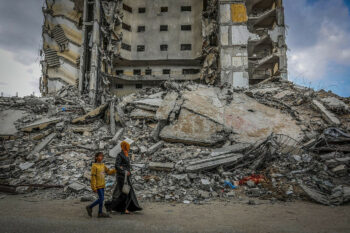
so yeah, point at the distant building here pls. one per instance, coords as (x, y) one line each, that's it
(123, 46)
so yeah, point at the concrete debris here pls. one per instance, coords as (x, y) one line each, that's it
(161, 166)
(89, 115)
(155, 147)
(327, 116)
(40, 124)
(336, 105)
(8, 118)
(198, 140)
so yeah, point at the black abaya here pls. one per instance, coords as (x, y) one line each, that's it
(120, 201)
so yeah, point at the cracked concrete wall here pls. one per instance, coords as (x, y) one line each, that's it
(252, 41)
(62, 39)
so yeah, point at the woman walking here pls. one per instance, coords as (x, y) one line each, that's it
(124, 199)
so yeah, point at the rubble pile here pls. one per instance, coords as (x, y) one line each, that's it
(189, 142)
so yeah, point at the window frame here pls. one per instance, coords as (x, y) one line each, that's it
(136, 72)
(163, 27)
(186, 47)
(166, 71)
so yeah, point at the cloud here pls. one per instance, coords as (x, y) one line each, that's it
(16, 77)
(20, 28)
(318, 39)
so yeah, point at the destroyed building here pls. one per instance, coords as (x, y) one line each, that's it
(121, 46)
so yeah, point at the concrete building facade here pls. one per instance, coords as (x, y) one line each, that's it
(121, 46)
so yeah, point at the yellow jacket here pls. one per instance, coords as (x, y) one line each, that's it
(98, 171)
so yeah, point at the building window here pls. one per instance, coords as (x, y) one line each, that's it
(186, 27)
(190, 71)
(138, 86)
(186, 8)
(140, 48)
(163, 47)
(119, 72)
(141, 28)
(164, 9)
(127, 8)
(166, 71)
(142, 10)
(137, 72)
(163, 28)
(186, 47)
(126, 47)
(148, 72)
(119, 86)
(126, 27)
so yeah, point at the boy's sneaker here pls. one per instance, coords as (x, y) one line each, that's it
(89, 210)
(103, 215)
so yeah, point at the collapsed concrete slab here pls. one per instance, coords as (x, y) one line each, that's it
(236, 148)
(213, 162)
(42, 144)
(167, 106)
(335, 104)
(205, 114)
(40, 124)
(89, 115)
(8, 118)
(326, 115)
(192, 128)
(155, 147)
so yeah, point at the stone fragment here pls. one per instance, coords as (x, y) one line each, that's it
(155, 147)
(161, 166)
(25, 166)
(148, 104)
(326, 115)
(340, 170)
(76, 187)
(117, 135)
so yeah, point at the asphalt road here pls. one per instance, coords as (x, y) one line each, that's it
(26, 215)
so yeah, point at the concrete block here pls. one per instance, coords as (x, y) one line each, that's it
(240, 79)
(161, 166)
(224, 35)
(225, 59)
(155, 147)
(225, 13)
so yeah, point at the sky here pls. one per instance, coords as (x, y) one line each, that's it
(318, 39)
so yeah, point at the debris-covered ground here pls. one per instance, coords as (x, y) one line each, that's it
(189, 143)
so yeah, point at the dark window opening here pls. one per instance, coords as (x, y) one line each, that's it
(137, 72)
(186, 8)
(164, 9)
(148, 72)
(138, 86)
(163, 28)
(186, 27)
(119, 72)
(142, 10)
(140, 48)
(126, 27)
(166, 71)
(163, 47)
(127, 8)
(119, 86)
(190, 71)
(126, 47)
(141, 28)
(186, 47)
